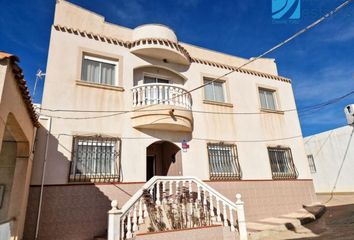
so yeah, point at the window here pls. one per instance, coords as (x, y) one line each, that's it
(267, 98)
(223, 161)
(100, 71)
(95, 159)
(214, 91)
(311, 163)
(149, 79)
(281, 162)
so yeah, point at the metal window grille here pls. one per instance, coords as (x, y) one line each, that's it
(281, 162)
(311, 163)
(95, 159)
(223, 162)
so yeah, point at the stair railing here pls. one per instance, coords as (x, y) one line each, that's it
(124, 223)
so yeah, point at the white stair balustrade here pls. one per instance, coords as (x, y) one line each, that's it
(124, 223)
(161, 93)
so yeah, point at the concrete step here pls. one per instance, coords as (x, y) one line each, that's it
(288, 222)
(218, 232)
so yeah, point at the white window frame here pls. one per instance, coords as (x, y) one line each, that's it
(223, 83)
(274, 95)
(312, 164)
(156, 76)
(102, 60)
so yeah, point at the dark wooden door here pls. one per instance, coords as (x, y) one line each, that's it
(150, 167)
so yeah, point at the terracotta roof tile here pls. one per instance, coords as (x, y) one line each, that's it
(21, 83)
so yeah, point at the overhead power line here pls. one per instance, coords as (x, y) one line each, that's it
(113, 113)
(196, 138)
(297, 34)
(302, 31)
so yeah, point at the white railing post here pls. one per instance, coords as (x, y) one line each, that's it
(155, 98)
(166, 95)
(134, 97)
(148, 95)
(143, 90)
(225, 215)
(218, 217)
(241, 217)
(129, 225)
(141, 218)
(158, 196)
(139, 97)
(114, 216)
(160, 97)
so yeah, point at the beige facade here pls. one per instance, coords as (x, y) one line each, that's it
(18, 124)
(153, 119)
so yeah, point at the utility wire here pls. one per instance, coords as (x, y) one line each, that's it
(198, 139)
(305, 110)
(302, 31)
(317, 107)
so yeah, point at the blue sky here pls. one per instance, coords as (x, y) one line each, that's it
(320, 62)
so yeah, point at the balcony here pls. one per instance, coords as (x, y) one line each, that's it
(159, 42)
(162, 106)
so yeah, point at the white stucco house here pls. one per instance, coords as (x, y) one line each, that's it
(117, 111)
(331, 160)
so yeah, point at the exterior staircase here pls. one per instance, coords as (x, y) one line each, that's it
(177, 208)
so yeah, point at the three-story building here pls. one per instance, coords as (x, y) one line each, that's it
(120, 106)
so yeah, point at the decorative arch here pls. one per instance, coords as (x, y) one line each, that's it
(164, 68)
(163, 158)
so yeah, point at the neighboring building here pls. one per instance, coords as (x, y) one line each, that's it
(18, 123)
(242, 133)
(331, 160)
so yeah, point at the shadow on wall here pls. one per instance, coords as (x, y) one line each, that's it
(69, 211)
(176, 67)
(167, 136)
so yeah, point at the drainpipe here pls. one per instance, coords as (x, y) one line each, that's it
(43, 177)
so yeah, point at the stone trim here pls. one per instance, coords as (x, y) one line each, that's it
(222, 104)
(97, 85)
(164, 42)
(178, 47)
(242, 70)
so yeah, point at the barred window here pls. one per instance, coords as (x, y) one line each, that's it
(311, 163)
(281, 162)
(95, 159)
(223, 161)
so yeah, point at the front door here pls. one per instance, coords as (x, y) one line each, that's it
(150, 167)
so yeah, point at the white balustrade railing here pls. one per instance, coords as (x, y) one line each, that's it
(160, 93)
(124, 223)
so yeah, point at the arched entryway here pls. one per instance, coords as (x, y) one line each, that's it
(163, 158)
(14, 175)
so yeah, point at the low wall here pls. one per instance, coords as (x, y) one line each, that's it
(79, 211)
